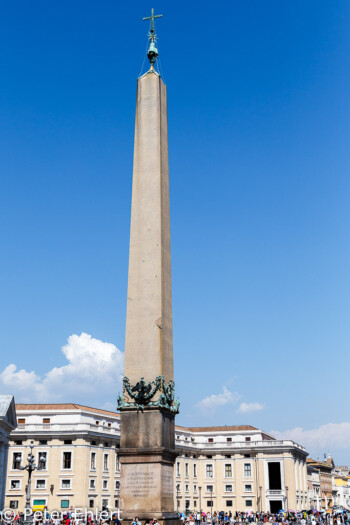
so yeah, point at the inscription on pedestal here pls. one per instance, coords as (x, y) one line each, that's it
(139, 484)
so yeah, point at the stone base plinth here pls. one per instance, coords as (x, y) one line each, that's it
(147, 456)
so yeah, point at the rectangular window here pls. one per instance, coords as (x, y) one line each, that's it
(93, 461)
(66, 483)
(209, 471)
(210, 440)
(67, 463)
(91, 503)
(186, 470)
(15, 484)
(209, 503)
(178, 469)
(40, 483)
(229, 503)
(117, 464)
(187, 488)
(248, 439)
(46, 420)
(229, 440)
(17, 460)
(194, 488)
(228, 470)
(116, 503)
(14, 504)
(194, 470)
(195, 503)
(117, 485)
(210, 488)
(105, 484)
(228, 488)
(248, 488)
(92, 483)
(21, 422)
(104, 504)
(64, 503)
(42, 460)
(248, 503)
(67, 441)
(42, 441)
(105, 462)
(247, 470)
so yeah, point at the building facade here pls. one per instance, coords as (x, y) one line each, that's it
(231, 468)
(324, 468)
(7, 424)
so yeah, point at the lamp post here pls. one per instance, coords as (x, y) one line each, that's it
(30, 467)
(177, 496)
(211, 500)
(200, 500)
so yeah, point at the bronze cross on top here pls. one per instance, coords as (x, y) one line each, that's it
(151, 18)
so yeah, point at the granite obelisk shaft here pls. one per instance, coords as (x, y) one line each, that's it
(147, 406)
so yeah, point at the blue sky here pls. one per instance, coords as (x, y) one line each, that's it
(259, 170)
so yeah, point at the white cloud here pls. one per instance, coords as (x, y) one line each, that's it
(93, 373)
(218, 400)
(246, 408)
(324, 438)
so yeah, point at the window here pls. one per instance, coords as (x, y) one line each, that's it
(210, 440)
(67, 464)
(104, 503)
(194, 488)
(186, 470)
(229, 503)
(228, 488)
(248, 439)
(105, 462)
(93, 443)
(117, 464)
(195, 503)
(187, 488)
(105, 484)
(117, 485)
(116, 503)
(65, 483)
(210, 488)
(109, 424)
(42, 441)
(194, 470)
(15, 484)
(247, 470)
(248, 503)
(18, 442)
(228, 456)
(247, 455)
(42, 460)
(228, 470)
(93, 461)
(67, 441)
(40, 483)
(178, 469)
(46, 420)
(187, 504)
(64, 503)
(92, 483)
(91, 503)
(209, 456)
(209, 472)
(17, 460)
(97, 422)
(14, 504)
(21, 422)
(106, 444)
(209, 503)
(248, 488)
(229, 440)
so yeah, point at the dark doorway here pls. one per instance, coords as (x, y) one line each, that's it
(274, 476)
(275, 506)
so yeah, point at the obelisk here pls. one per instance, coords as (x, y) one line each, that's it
(147, 406)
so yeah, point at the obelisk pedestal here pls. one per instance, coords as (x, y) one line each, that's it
(148, 406)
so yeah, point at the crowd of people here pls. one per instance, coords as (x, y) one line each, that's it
(338, 517)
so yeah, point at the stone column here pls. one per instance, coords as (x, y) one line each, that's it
(147, 407)
(3, 472)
